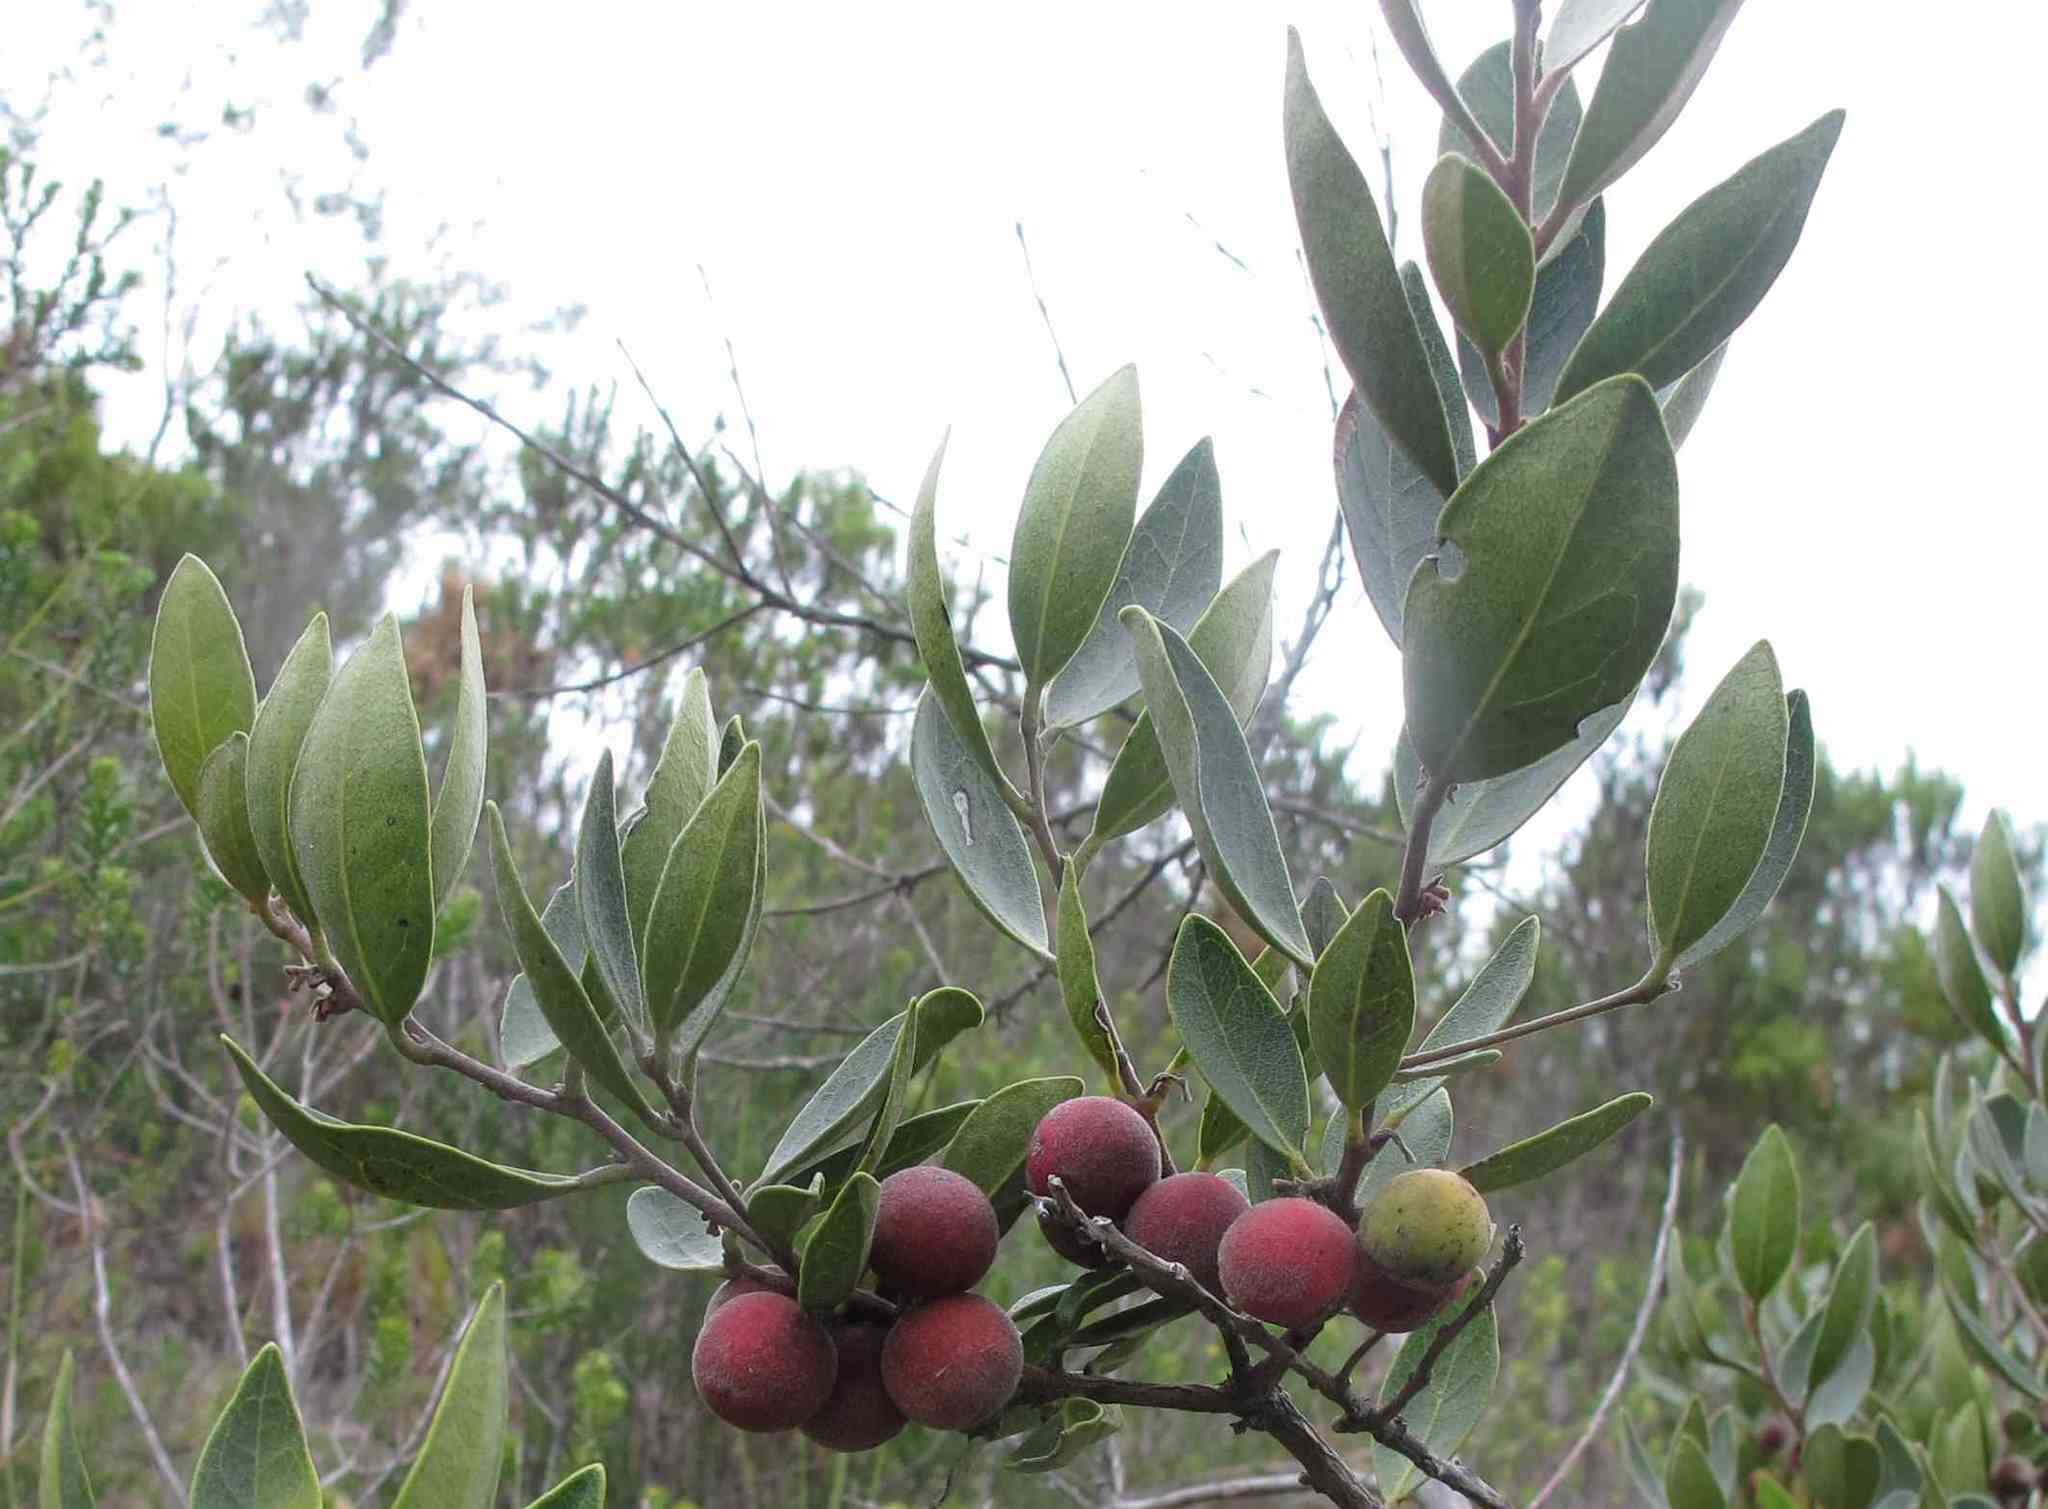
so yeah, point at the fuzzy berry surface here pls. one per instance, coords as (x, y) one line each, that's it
(761, 1364)
(1183, 1217)
(952, 1363)
(1103, 1152)
(1289, 1261)
(935, 1233)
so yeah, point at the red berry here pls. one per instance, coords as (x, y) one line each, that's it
(935, 1233)
(952, 1363)
(1081, 1251)
(1103, 1152)
(1386, 1304)
(760, 1363)
(1288, 1261)
(859, 1415)
(1183, 1217)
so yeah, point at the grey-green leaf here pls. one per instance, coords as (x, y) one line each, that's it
(1566, 297)
(1982, 1341)
(932, 623)
(1351, 266)
(895, 1091)
(1961, 975)
(1551, 591)
(360, 818)
(837, 1254)
(1323, 914)
(683, 776)
(460, 801)
(1708, 270)
(1073, 526)
(1579, 27)
(1454, 1399)
(916, 1139)
(223, 814)
(1998, 900)
(1652, 70)
(779, 1211)
(1717, 805)
(1171, 568)
(1487, 88)
(1237, 1036)
(200, 686)
(601, 899)
(1080, 989)
(1846, 1314)
(1480, 252)
(558, 991)
(699, 923)
(1218, 784)
(1551, 1149)
(1689, 1481)
(671, 1233)
(395, 1164)
(580, 1490)
(1763, 1215)
(274, 744)
(1234, 639)
(62, 1482)
(992, 1142)
(980, 835)
(1788, 827)
(1684, 400)
(256, 1455)
(458, 1465)
(1494, 993)
(524, 1036)
(1361, 1002)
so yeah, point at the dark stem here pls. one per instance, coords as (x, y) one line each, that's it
(1511, 1254)
(1415, 857)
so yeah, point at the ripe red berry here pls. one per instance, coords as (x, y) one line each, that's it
(935, 1233)
(1386, 1304)
(1103, 1152)
(1081, 1251)
(1183, 1217)
(1288, 1261)
(952, 1363)
(859, 1414)
(761, 1364)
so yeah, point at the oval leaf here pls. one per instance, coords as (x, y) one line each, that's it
(1237, 1036)
(1074, 525)
(1846, 1315)
(1763, 1215)
(1361, 1002)
(932, 624)
(837, 1254)
(223, 815)
(461, 799)
(779, 1211)
(976, 828)
(1493, 995)
(458, 1465)
(699, 922)
(672, 1234)
(895, 1091)
(200, 686)
(1689, 1481)
(1581, 26)
(1708, 270)
(1998, 900)
(524, 1036)
(1357, 284)
(916, 1139)
(1562, 306)
(360, 814)
(1480, 253)
(1567, 538)
(992, 1142)
(1079, 987)
(256, 1456)
(1684, 400)
(1487, 87)
(395, 1164)
(1323, 915)
(275, 740)
(601, 899)
(682, 777)
(1717, 805)
(1171, 569)
(1550, 1150)
(62, 1483)
(1218, 784)
(1963, 984)
(580, 1490)
(1446, 1408)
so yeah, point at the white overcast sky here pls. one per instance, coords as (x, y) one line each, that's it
(848, 177)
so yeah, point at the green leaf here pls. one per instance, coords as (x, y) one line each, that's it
(360, 815)
(682, 777)
(732, 739)
(916, 1139)
(579, 1490)
(1652, 70)
(1323, 915)
(458, 1466)
(1357, 284)
(1998, 901)
(1685, 399)
(1071, 1429)
(200, 686)
(1074, 525)
(1846, 1314)
(1642, 1472)
(1237, 1036)
(1494, 993)
(1956, 1453)
(1553, 1148)
(274, 743)
(853, 1090)
(1566, 540)
(1579, 27)
(223, 814)
(1454, 1400)
(1480, 253)
(1218, 784)
(699, 923)
(837, 1254)
(1361, 1002)
(1717, 805)
(601, 901)
(1708, 270)
(558, 992)
(1983, 1343)
(1763, 1215)
(1481, 814)
(1689, 1481)
(1219, 1131)
(1566, 297)
(980, 835)
(1841, 1470)
(671, 1233)
(895, 1091)
(524, 1036)
(63, 1483)
(1962, 978)
(1079, 987)
(395, 1164)
(461, 799)
(1788, 827)
(932, 624)
(1488, 90)
(1234, 639)
(779, 1211)
(993, 1141)
(256, 1456)
(1171, 568)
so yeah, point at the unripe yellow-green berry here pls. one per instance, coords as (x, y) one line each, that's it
(1426, 1228)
